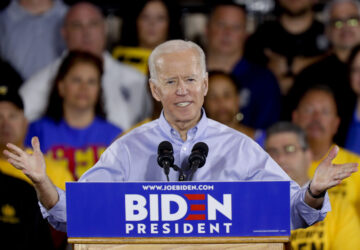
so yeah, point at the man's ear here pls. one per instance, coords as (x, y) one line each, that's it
(154, 90)
(206, 84)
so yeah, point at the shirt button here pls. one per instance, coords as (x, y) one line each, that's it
(184, 148)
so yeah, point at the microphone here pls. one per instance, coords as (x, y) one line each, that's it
(197, 157)
(165, 157)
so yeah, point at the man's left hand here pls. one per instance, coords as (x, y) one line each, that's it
(328, 175)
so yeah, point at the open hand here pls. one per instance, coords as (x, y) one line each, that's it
(32, 165)
(328, 175)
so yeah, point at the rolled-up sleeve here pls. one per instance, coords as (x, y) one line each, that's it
(56, 216)
(261, 167)
(302, 215)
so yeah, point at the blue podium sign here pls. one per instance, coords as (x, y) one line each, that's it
(178, 209)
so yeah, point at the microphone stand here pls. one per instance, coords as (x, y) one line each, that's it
(167, 171)
(193, 170)
(181, 172)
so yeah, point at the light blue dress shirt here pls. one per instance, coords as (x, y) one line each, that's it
(232, 157)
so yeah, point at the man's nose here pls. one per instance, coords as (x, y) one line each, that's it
(181, 88)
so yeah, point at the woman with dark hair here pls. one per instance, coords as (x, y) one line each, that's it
(155, 22)
(353, 135)
(74, 126)
(222, 104)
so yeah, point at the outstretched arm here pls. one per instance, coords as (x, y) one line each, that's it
(33, 166)
(327, 175)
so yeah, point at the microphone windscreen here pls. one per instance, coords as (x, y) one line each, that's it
(165, 147)
(201, 147)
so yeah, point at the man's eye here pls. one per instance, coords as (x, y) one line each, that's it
(170, 82)
(191, 79)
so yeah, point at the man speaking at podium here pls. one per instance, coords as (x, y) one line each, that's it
(178, 79)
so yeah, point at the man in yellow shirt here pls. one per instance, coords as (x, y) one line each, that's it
(13, 127)
(317, 114)
(286, 143)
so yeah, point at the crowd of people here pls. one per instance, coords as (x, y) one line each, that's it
(292, 87)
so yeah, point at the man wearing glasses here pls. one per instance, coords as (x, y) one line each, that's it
(287, 145)
(343, 31)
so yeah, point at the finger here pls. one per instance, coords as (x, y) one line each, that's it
(348, 168)
(11, 155)
(352, 170)
(35, 144)
(17, 164)
(16, 149)
(332, 154)
(334, 183)
(347, 165)
(342, 175)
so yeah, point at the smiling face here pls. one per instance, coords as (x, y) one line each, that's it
(180, 87)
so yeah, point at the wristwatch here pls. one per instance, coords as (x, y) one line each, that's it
(321, 195)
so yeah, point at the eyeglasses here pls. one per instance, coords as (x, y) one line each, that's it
(287, 150)
(350, 21)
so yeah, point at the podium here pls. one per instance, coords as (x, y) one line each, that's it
(174, 215)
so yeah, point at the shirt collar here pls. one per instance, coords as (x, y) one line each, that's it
(193, 133)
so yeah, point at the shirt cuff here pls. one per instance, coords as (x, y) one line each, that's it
(312, 215)
(57, 214)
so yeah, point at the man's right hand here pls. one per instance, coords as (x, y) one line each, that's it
(32, 165)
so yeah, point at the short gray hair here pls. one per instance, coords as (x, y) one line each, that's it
(288, 127)
(174, 46)
(329, 6)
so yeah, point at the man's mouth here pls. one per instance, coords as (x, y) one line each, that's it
(183, 104)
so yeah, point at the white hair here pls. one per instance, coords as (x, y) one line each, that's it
(330, 5)
(170, 47)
